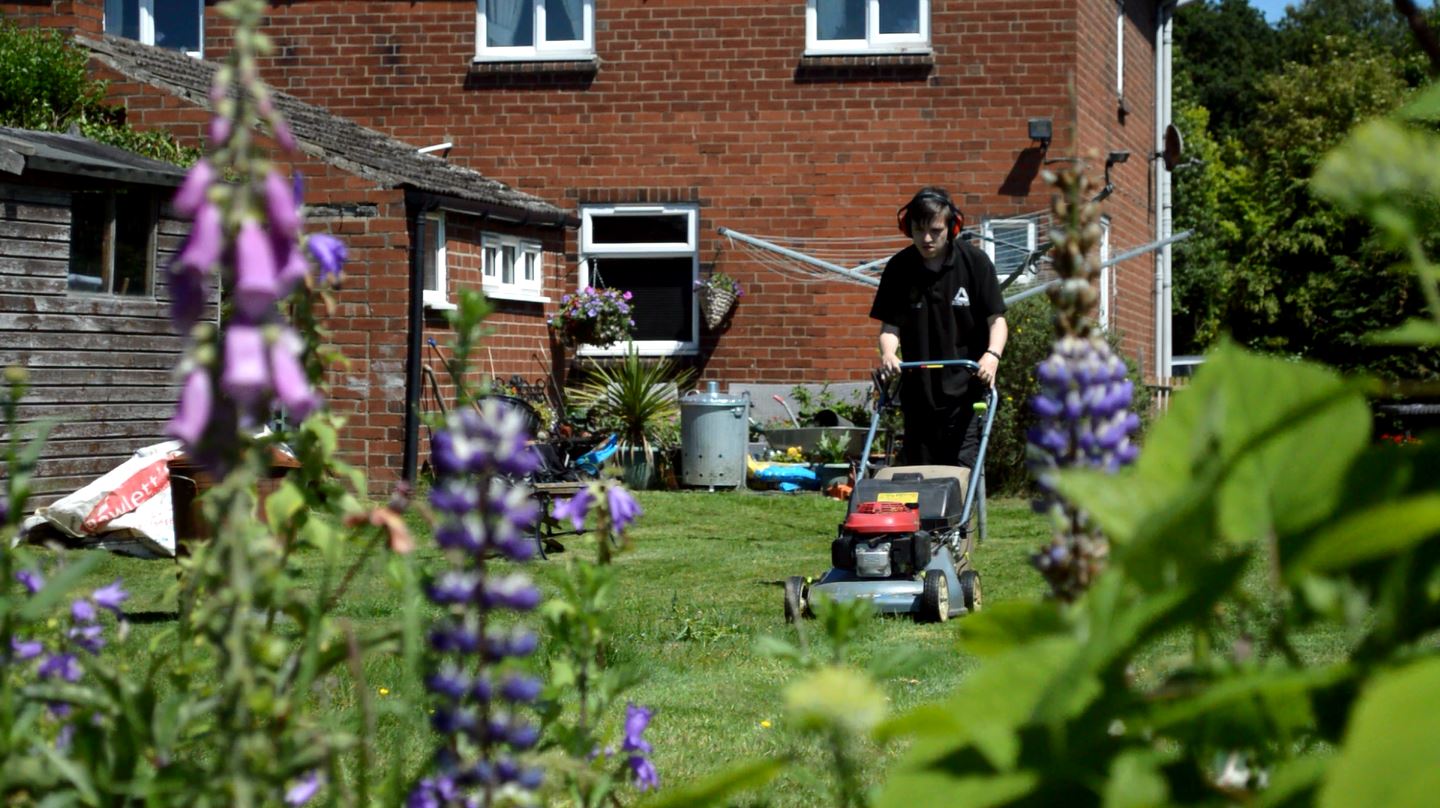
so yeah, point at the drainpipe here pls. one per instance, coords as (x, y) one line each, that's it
(415, 336)
(1164, 46)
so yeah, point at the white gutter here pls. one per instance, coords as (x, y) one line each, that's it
(1164, 213)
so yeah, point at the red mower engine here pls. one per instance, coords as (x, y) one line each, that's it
(881, 540)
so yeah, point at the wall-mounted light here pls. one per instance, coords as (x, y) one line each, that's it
(1111, 159)
(1042, 130)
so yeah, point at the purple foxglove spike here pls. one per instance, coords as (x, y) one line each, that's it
(330, 254)
(256, 284)
(192, 414)
(203, 245)
(523, 643)
(454, 497)
(246, 376)
(623, 507)
(292, 386)
(195, 190)
(468, 535)
(188, 293)
(1126, 454)
(281, 207)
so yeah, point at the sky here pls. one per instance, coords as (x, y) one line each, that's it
(1272, 9)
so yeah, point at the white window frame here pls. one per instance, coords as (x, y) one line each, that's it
(543, 50)
(874, 41)
(146, 10)
(690, 247)
(1103, 315)
(492, 271)
(439, 296)
(990, 247)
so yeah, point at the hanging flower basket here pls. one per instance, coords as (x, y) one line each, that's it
(594, 317)
(718, 296)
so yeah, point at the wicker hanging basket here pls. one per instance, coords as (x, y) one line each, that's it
(716, 305)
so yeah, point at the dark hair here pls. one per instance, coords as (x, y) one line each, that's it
(926, 204)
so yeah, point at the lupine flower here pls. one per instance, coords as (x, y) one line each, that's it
(637, 718)
(482, 515)
(193, 412)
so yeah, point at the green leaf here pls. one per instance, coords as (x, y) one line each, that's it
(717, 788)
(1135, 781)
(281, 507)
(1293, 784)
(1417, 331)
(1004, 626)
(939, 789)
(1425, 107)
(1389, 753)
(72, 772)
(1386, 529)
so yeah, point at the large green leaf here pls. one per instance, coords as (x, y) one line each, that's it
(1386, 170)
(1136, 782)
(1005, 626)
(1391, 753)
(716, 788)
(940, 790)
(1415, 331)
(1386, 529)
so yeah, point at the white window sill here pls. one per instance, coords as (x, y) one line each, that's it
(516, 295)
(642, 349)
(434, 302)
(545, 56)
(861, 50)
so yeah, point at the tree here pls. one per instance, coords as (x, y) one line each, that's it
(1224, 48)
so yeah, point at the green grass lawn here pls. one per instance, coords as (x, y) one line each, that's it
(702, 583)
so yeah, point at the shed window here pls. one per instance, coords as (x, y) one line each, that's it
(517, 30)
(173, 24)
(112, 242)
(867, 26)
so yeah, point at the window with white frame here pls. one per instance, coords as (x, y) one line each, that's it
(867, 26)
(652, 252)
(112, 242)
(510, 267)
(1107, 276)
(1009, 243)
(436, 294)
(518, 30)
(174, 24)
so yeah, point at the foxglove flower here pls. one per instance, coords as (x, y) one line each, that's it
(206, 240)
(482, 515)
(246, 376)
(193, 412)
(256, 284)
(195, 190)
(188, 292)
(292, 386)
(280, 206)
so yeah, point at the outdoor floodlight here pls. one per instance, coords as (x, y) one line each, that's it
(1042, 130)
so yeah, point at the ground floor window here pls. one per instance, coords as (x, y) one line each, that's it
(1009, 243)
(652, 252)
(112, 242)
(1104, 315)
(511, 266)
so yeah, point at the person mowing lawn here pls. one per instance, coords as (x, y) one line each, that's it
(939, 300)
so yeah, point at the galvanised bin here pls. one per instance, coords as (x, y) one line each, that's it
(714, 433)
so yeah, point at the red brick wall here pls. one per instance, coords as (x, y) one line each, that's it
(84, 16)
(708, 101)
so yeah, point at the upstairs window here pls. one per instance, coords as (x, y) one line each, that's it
(1009, 243)
(867, 26)
(436, 290)
(112, 242)
(174, 24)
(534, 30)
(510, 267)
(650, 251)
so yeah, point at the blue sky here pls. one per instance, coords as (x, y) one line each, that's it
(1273, 9)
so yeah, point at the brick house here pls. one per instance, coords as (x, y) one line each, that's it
(803, 121)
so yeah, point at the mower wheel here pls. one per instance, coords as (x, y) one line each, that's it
(970, 591)
(795, 606)
(935, 599)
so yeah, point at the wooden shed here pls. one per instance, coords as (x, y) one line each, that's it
(84, 238)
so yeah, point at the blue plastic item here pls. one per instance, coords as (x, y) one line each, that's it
(591, 461)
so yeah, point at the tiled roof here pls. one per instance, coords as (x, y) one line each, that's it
(338, 141)
(24, 150)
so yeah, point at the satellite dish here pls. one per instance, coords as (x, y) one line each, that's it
(1174, 145)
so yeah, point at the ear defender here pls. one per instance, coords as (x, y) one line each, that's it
(957, 219)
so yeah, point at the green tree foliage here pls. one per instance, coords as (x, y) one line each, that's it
(1223, 49)
(44, 85)
(1304, 34)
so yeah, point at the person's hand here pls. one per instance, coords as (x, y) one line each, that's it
(889, 366)
(989, 366)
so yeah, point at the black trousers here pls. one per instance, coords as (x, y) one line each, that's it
(945, 437)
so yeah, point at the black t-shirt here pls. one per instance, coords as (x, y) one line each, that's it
(941, 315)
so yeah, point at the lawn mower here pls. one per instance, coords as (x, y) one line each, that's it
(906, 541)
